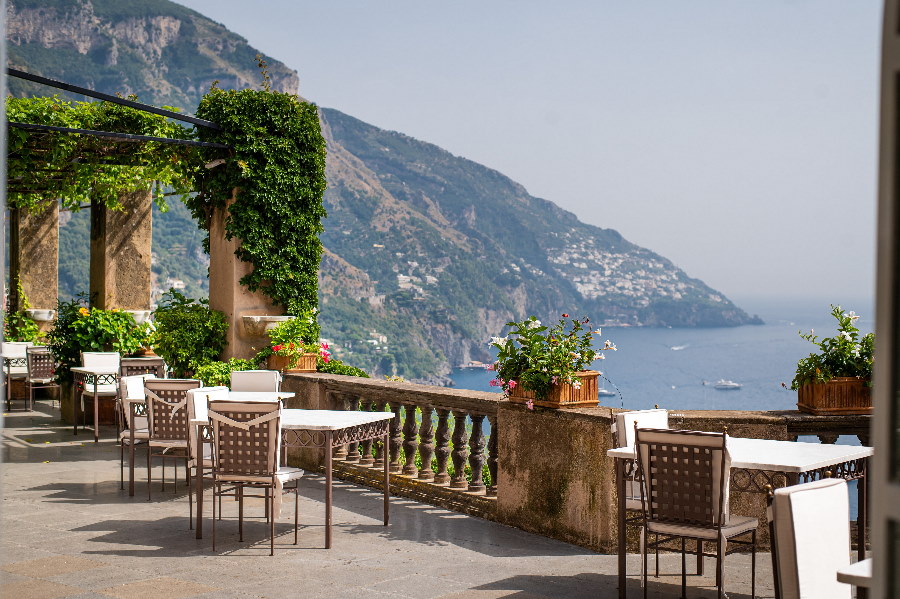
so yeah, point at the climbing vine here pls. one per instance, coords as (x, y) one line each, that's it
(44, 166)
(277, 178)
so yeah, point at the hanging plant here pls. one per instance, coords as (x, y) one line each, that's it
(277, 178)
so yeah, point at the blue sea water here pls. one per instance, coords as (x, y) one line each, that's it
(677, 367)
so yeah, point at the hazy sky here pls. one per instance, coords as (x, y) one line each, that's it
(738, 139)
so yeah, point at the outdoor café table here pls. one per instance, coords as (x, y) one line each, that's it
(858, 574)
(13, 363)
(84, 377)
(325, 429)
(760, 463)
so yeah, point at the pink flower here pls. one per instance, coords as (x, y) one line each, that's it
(495, 383)
(324, 345)
(512, 384)
(530, 404)
(553, 379)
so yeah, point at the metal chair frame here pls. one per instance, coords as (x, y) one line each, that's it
(41, 366)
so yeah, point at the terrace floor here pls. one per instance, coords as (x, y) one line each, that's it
(68, 531)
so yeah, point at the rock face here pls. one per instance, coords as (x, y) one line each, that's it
(160, 51)
(427, 254)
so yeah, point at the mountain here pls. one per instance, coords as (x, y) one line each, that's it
(427, 254)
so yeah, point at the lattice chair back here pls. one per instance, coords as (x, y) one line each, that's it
(131, 389)
(626, 422)
(198, 409)
(137, 366)
(167, 409)
(100, 359)
(41, 365)
(685, 476)
(247, 438)
(255, 380)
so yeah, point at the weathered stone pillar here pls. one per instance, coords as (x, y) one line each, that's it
(34, 257)
(120, 253)
(227, 295)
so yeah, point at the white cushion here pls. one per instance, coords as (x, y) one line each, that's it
(14, 349)
(255, 380)
(140, 434)
(100, 359)
(286, 473)
(104, 389)
(625, 422)
(812, 537)
(736, 526)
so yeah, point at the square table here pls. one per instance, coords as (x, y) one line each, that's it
(87, 375)
(760, 463)
(324, 429)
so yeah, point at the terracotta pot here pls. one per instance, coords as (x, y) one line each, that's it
(563, 395)
(306, 363)
(842, 395)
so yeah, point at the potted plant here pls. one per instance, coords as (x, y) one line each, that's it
(837, 380)
(542, 366)
(294, 345)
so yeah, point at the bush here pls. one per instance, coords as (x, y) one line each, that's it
(338, 367)
(218, 374)
(17, 325)
(188, 331)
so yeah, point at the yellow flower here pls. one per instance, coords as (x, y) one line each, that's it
(84, 311)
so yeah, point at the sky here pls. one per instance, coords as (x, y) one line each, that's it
(738, 139)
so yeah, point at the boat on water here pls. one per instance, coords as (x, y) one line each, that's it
(727, 385)
(605, 392)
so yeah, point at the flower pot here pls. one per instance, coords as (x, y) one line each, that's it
(306, 363)
(843, 395)
(563, 395)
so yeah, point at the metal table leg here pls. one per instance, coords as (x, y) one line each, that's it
(329, 439)
(620, 491)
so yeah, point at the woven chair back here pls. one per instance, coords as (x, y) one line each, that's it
(167, 409)
(685, 476)
(41, 364)
(100, 359)
(246, 438)
(137, 366)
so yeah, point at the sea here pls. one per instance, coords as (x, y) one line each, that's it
(676, 368)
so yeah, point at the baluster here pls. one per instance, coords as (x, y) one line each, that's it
(864, 439)
(828, 438)
(492, 457)
(426, 444)
(442, 450)
(365, 448)
(476, 453)
(410, 442)
(380, 449)
(395, 436)
(460, 451)
(353, 448)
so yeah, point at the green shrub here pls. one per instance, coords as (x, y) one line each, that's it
(17, 325)
(188, 331)
(338, 367)
(218, 374)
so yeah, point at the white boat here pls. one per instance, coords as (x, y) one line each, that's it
(605, 392)
(727, 385)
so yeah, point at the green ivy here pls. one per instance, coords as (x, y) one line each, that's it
(17, 325)
(78, 168)
(278, 170)
(188, 331)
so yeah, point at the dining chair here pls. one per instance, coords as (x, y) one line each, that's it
(41, 369)
(131, 390)
(198, 407)
(136, 366)
(247, 439)
(685, 491)
(623, 432)
(810, 528)
(99, 360)
(168, 424)
(14, 365)
(255, 380)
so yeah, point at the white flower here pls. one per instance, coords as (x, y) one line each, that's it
(846, 336)
(499, 340)
(856, 352)
(576, 384)
(597, 332)
(533, 324)
(610, 345)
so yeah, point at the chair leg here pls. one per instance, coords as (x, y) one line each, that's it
(216, 489)
(190, 498)
(699, 557)
(753, 568)
(683, 570)
(643, 534)
(121, 465)
(656, 542)
(272, 519)
(720, 570)
(297, 509)
(644, 561)
(240, 495)
(149, 473)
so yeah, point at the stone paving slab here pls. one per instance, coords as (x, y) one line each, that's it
(70, 532)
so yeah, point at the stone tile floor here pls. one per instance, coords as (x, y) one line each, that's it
(68, 531)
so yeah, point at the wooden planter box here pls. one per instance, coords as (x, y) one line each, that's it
(307, 363)
(843, 395)
(563, 395)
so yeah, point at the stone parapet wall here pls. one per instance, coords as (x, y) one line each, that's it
(552, 474)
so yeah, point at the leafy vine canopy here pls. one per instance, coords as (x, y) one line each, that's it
(276, 178)
(46, 166)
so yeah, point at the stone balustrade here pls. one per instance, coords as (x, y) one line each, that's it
(547, 470)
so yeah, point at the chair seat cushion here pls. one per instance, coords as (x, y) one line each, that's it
(140, 434)
(101, 390)
(634, 504)
(736, 526)
(169, 443)
(46, 381)
(286, 473)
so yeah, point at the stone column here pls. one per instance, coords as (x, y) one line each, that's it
(227, 295)
(34, 257)
(120, 253)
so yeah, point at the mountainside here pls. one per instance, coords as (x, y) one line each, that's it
(427, 254)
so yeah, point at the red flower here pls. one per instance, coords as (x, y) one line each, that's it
(291, 345)
(565, 315)
(277, 347)
(324, 345)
